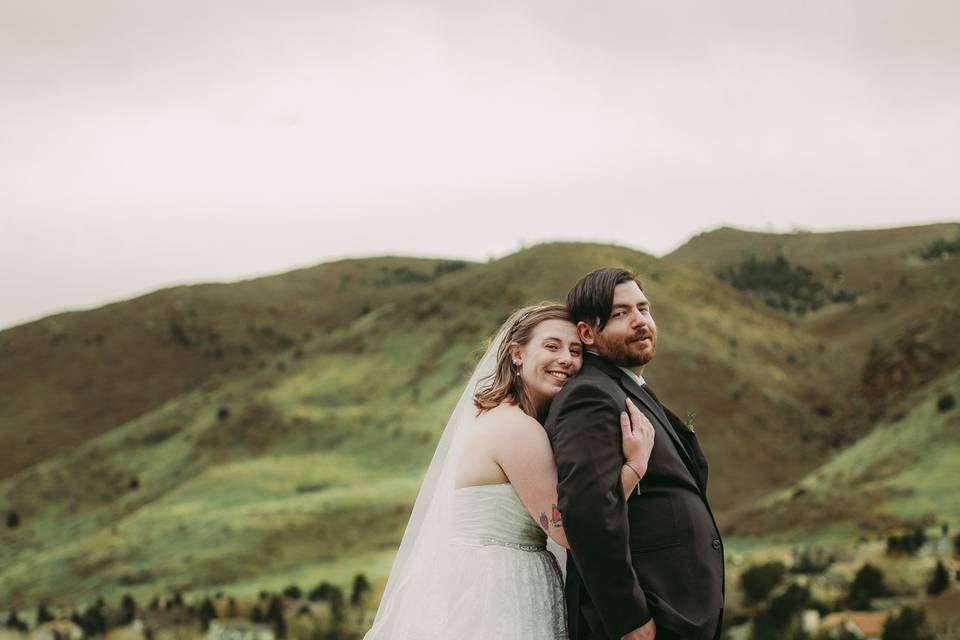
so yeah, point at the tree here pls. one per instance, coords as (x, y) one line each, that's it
(128, 608)
(326, 592)
(867, 584)
(909, 625)
(43, 615)
(293, 591)
(940, 581)
(93, 622)
(759, 580)
(361, 586)
(14, 622)
(275, 616)
(775, 622)
(207, 613)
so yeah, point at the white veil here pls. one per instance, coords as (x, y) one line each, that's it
(408, 587)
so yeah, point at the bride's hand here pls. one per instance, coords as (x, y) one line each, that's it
(638, 436)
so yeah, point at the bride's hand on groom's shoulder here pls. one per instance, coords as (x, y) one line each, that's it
(638, 437)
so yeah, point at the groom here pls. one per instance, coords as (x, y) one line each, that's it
(650, 565)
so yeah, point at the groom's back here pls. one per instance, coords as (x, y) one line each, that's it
(672, 540)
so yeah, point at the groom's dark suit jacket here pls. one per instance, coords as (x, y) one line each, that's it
(657, 554)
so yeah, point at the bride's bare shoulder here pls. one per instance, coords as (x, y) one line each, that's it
(505, 417)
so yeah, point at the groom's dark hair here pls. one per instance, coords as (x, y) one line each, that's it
(591, 299)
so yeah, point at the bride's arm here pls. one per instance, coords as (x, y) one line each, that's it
(524, 454)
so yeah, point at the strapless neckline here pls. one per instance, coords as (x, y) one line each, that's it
(483, 486)
(494, 514)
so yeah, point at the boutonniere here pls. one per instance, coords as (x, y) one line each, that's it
(689, 421)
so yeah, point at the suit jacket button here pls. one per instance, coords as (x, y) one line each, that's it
(716, 544)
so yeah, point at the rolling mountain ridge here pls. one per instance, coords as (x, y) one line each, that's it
(275, 430)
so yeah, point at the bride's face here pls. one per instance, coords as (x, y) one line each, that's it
(552, 357)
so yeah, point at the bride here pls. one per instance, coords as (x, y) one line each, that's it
(473, 562)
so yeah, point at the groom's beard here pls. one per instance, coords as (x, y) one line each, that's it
(626, 352)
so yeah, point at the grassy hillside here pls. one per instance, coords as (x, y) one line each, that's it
(891, 351)
(305, 466)
(249, 435)
(864, 258)
(72, 376)
(903, 474)
(901, 331)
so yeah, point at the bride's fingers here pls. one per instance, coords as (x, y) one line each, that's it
(625, 425)
(636, 417)
(639, 421)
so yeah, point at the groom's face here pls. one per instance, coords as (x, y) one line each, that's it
(629, 338)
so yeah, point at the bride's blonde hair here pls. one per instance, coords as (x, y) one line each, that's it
(505, 383)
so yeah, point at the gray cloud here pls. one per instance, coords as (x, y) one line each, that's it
(151, 143)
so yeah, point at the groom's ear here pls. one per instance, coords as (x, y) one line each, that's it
(587, 333)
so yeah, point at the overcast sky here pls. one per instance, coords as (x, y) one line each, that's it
(144, 144)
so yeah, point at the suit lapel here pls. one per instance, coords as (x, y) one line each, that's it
(631, 387)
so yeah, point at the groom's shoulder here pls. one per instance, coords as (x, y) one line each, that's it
(590, 376)
(590, 382)
(593, 374)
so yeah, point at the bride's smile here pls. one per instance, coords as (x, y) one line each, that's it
(553, 356)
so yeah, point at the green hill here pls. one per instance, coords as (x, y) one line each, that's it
(245, 436)
(901, 475)
(75, 375)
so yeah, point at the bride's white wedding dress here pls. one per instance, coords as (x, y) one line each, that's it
(473, 564)
(496, 578)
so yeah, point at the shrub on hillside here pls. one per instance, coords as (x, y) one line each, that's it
(940, 248)
(940, 581)
(781, 616)
(945, 403)
(15, 623)
(128, 609)
(207, 613)
(43, 614)
(326, 592)
(782, 285)
(910, 624)
(907, 543)
(811, 560)
(758, 581)
(867, 585)
(448, 266)
(94, 621)
(361, 586)
(13, 519)
(275, 617)
(401, 275)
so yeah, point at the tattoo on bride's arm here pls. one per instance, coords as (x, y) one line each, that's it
(554, 519)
